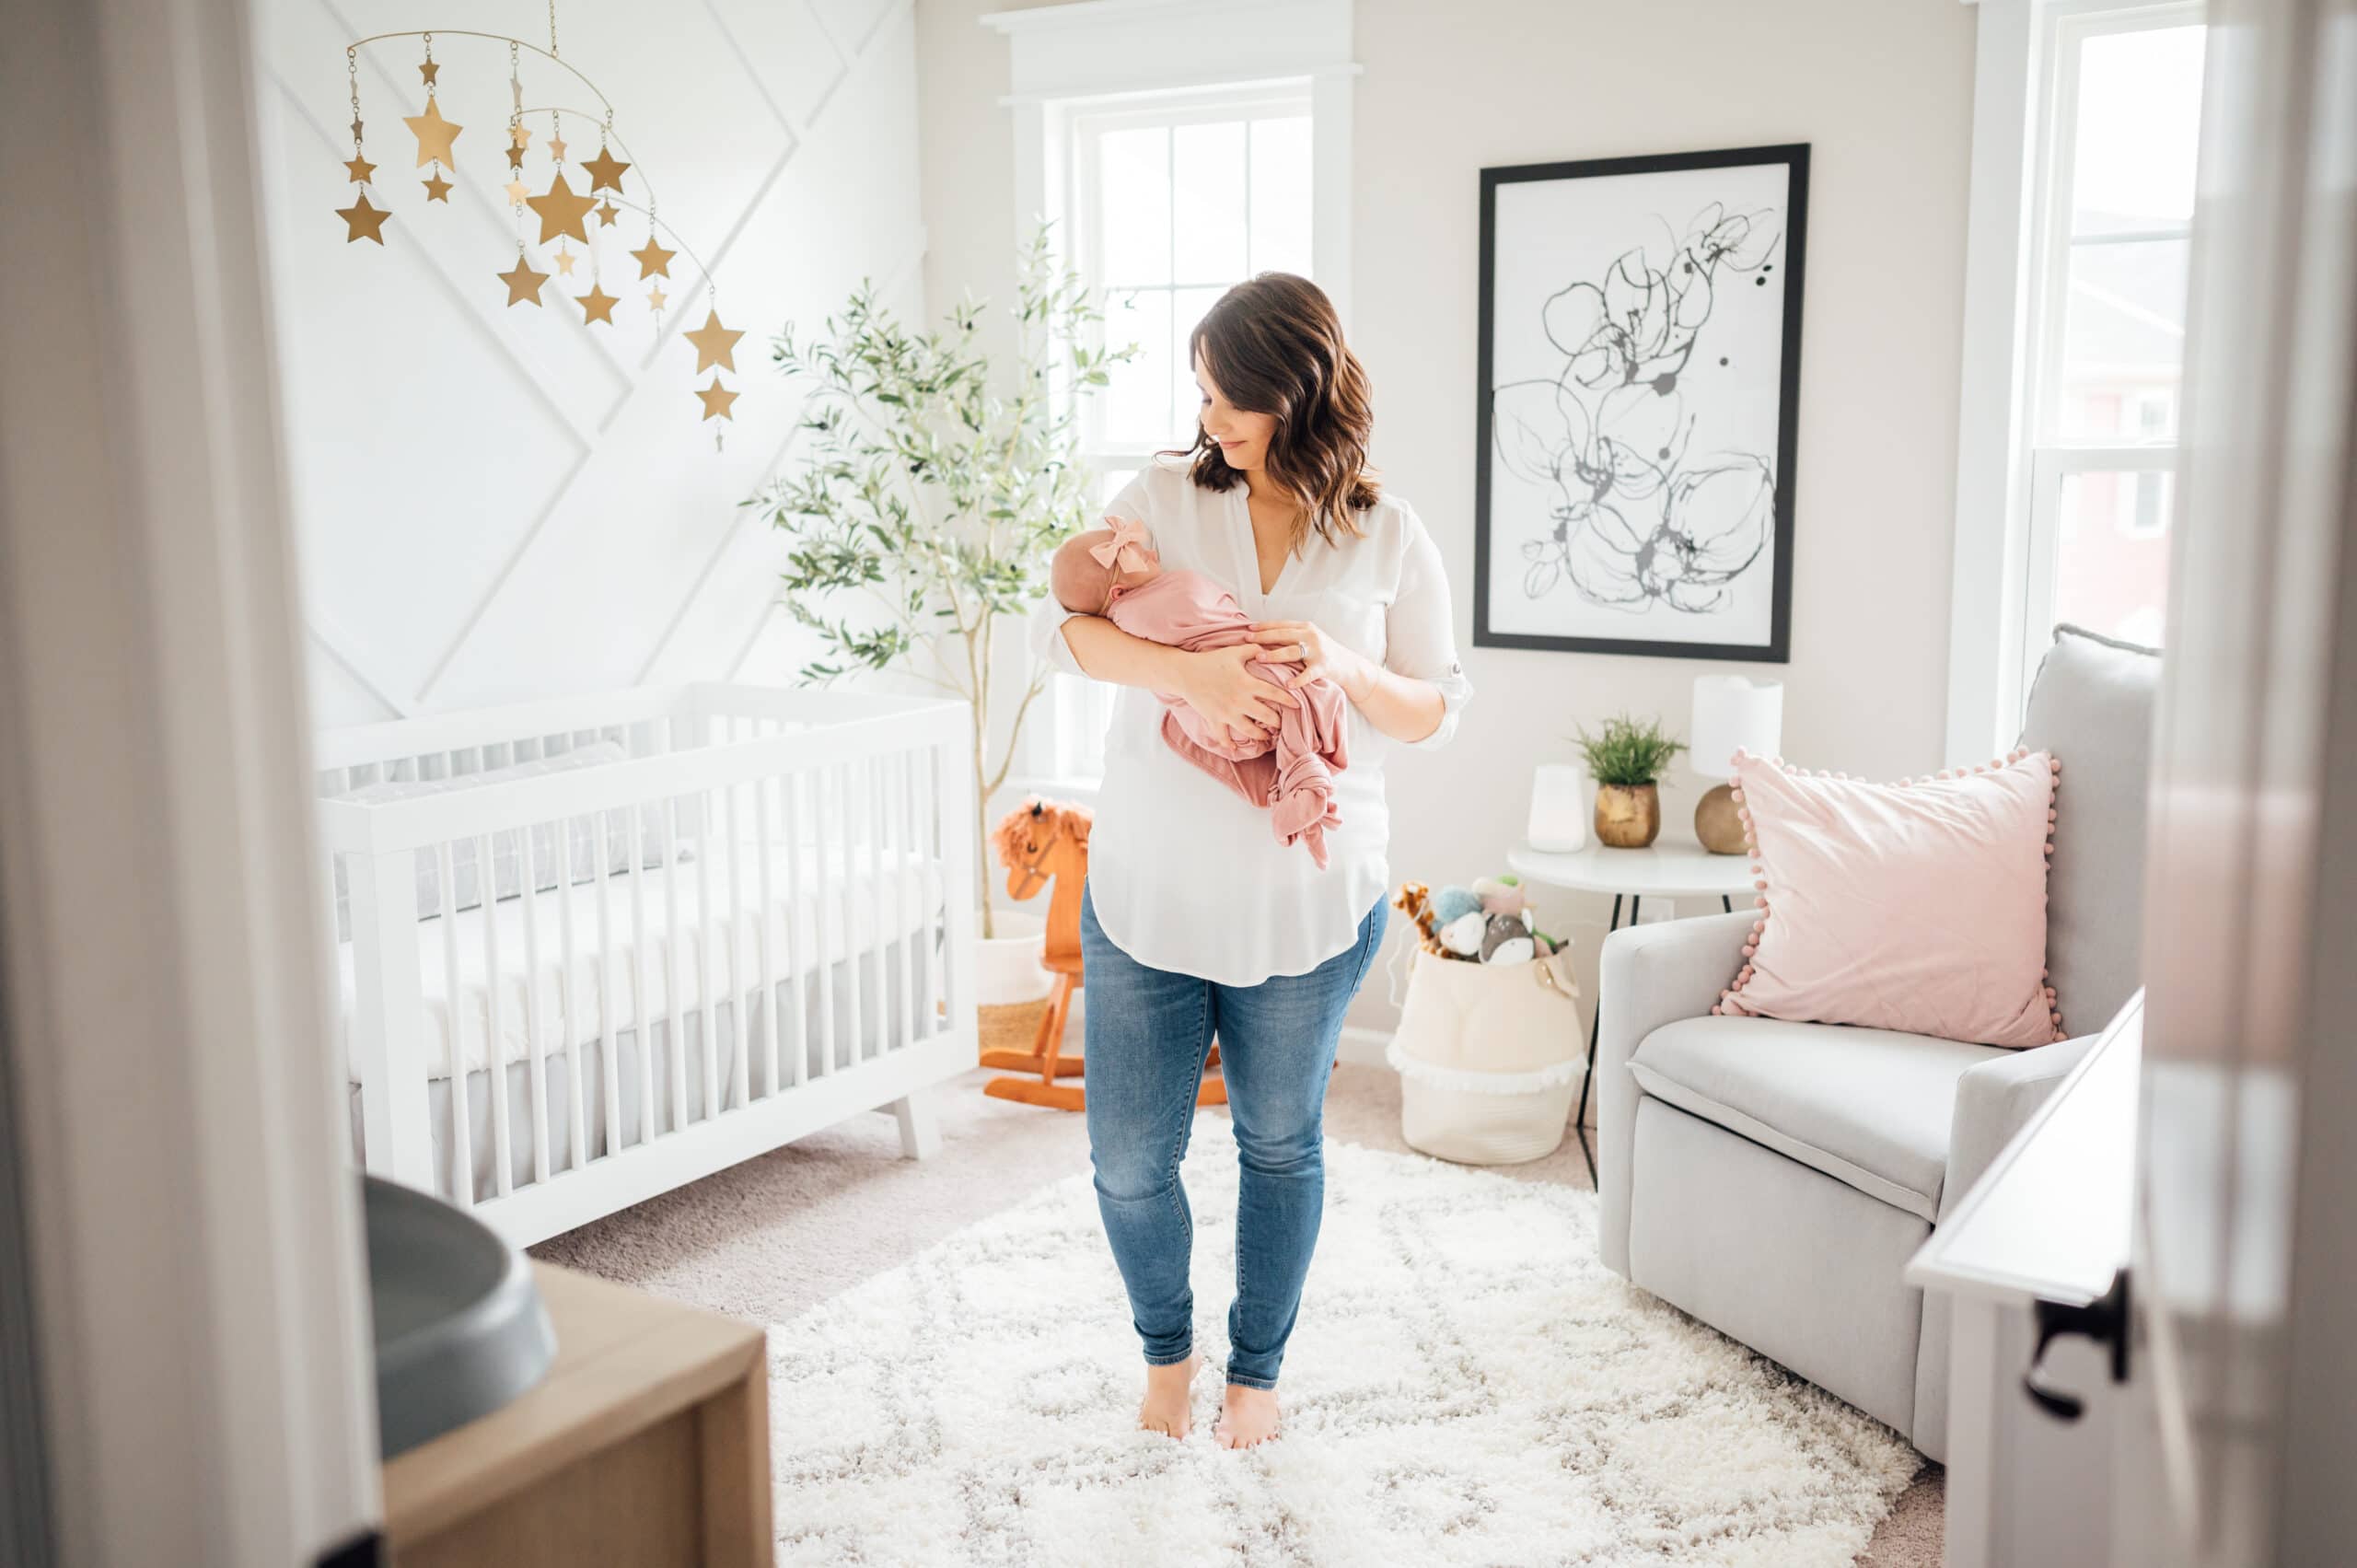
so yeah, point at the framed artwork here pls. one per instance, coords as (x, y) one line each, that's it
(1640, 380)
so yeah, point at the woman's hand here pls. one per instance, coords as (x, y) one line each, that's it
(1219, 684)
(1283, 642)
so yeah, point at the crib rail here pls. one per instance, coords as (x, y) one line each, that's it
(756, 923)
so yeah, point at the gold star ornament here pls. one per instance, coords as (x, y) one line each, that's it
(523, 283)
(515, 157)
(516, 190)
(716, 398)
(560, 210)
(656, 298)
(429, 70)
(437, 189)
(607, 213)
(604, 171)
(599, 306)
(519, 136)
(556, 148)
(715, 344)
(564, 260)
(360, 170)
(653, 260)
(366, 222)
(434, 134)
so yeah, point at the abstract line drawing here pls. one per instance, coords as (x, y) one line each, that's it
(1649, 458)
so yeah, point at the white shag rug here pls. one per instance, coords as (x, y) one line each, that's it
(1466, 1385)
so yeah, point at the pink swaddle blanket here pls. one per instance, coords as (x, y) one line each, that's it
(1290, 773)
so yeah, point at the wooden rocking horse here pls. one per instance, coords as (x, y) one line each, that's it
(1044, 841)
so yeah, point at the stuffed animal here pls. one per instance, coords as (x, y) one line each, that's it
(1508, 939)
(1500, 895)
(1414, 901)
(1453, 904)
(1465, 935)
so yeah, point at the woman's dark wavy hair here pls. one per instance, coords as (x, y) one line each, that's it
(1275, 345)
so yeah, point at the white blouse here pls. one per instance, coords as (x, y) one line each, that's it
(1186, 876)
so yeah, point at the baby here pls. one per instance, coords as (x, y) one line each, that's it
(1113, 572)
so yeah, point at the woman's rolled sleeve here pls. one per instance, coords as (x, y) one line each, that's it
(1045, 634)
(1420, 642)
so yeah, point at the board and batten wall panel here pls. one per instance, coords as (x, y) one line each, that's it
(499, 502)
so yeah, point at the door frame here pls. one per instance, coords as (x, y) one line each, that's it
(198, 1290)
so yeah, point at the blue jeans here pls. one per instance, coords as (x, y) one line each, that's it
(1149, 1033)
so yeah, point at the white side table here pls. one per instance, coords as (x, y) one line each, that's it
(1673, 868)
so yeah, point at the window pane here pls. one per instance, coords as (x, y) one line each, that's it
(1187, 305)
(2140, 107)
(1135, 402)
(2123, 339)
(1281, 207)
(1109, 483)
(1207, 164)
(1133, 205)
(2111, 553)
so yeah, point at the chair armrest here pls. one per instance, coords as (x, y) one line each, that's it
(1993, 1101)
(1647, 976)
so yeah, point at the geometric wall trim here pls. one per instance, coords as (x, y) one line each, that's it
(496, 503)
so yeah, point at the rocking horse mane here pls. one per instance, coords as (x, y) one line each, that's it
(1008, 838)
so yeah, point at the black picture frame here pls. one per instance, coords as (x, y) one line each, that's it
(1792, 256)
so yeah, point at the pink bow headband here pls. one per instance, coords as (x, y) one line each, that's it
(1127, 548)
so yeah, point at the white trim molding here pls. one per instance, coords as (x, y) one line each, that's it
(1099, 53)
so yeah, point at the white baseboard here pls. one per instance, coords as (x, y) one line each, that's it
(1363, 1047)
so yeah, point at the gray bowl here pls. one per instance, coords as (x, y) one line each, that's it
(460, 1328)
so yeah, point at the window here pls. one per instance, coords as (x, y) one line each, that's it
(2086, 121)
(2113, 226)
(1172, 202)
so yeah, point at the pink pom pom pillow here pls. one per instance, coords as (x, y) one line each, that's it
(1918, 906)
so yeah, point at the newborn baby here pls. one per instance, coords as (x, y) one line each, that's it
(1113, 572)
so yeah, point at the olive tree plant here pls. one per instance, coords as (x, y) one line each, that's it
(935, 485)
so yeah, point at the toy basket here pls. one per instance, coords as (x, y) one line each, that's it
(1489, 1057)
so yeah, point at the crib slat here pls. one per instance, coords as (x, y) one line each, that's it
(910, 916)
(454, 993)
(823, 827)
(569, 992)
(675, 1047)
(741, 1072)
(766, 934)
(642, 954)
(929, 839)
(494, 1040)
(707, 945)
(797, 949)
(851, 775)
(536, 1083)
(608, 1050)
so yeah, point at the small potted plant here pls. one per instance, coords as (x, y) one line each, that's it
(1626, 759)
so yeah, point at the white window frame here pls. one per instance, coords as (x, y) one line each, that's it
(1073, 67)
(2011, 463)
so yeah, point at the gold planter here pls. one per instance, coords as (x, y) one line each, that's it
(1627, 816)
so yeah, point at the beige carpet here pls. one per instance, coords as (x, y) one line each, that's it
(843, 1206)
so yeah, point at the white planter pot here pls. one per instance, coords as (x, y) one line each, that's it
(1006, 966)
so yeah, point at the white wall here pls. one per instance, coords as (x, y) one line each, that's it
(496, 503)
(1882, 88)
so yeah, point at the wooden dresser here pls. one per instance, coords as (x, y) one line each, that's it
(646, 1444)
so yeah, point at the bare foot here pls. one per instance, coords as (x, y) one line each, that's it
(1247, 1416)
(1164, 1407)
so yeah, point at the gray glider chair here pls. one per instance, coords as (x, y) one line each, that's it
(1772, 1179)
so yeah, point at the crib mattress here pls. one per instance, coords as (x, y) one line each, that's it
(835, 911)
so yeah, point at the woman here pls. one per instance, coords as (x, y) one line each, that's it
(1197, 921)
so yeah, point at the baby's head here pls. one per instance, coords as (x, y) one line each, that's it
(1094, 568)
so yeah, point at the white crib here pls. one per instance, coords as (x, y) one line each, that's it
(747, 915)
